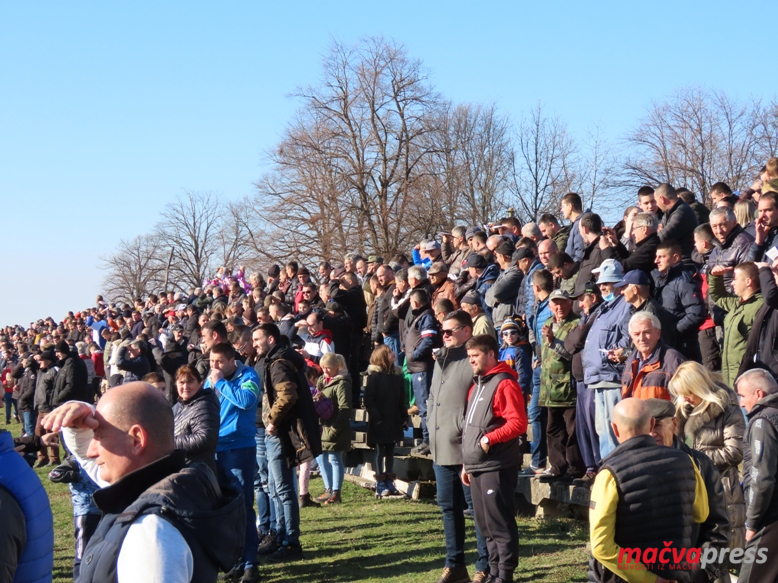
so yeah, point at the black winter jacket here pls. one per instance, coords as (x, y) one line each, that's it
(680, 293)
(353, 302)
(71, 382)
(173, 357)
(592, 258)
(26, 380)
(679, 224)
(386, 405)
(44, 389)
(138, 366)
(642, 257)
(197, 427)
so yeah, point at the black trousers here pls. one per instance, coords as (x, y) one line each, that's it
(563, 451)
(494, 507)
(764, 544)
(710, 349)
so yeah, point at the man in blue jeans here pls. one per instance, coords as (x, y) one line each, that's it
(542, 283)
(237, 386)
(451, 380)
(291, 434)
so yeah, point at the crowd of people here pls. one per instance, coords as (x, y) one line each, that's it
(638, 361)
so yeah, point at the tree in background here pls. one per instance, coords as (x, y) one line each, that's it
(700, 137)
(135, 269)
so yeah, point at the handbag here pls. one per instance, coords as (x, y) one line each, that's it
(322, 404)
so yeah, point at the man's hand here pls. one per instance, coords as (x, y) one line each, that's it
(72, 414)
(616, 355)
(215, 376)
(750, 534)
(719, 270)
(271, 429)
(50, 439)
(484, 443)
(547, 333)
(761, 230)
(465, 478)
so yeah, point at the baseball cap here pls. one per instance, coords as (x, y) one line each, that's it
(522, 253)
(636, 277)
(505, 248)
(610, 271)
(431, 246)
(476, 260)
(589, 288)
(558, 294)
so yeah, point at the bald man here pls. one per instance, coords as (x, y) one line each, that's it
(644, 496)
(162, 520)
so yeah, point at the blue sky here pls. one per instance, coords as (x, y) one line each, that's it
(108, 110)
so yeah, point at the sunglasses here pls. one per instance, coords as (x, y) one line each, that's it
(450, 331)
(510, 333)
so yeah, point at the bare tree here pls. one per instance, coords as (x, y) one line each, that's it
(695, 139)
(543, 167)
(134, 270)
(354, 150)
(600, 182)
(191, 225)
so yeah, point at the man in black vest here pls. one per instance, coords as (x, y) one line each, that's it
(494, 419)
(162, 520)
(643, 497)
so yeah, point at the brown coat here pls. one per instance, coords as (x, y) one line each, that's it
(446, 290)
(719, 434)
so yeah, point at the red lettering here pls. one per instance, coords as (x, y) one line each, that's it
(633, 555)
(693, 555)
(677, 558)
(662, 554)
(650, 551)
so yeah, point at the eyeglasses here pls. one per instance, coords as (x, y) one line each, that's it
(450, 331)
(510, 333)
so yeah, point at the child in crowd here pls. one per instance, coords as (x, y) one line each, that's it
(387, 414)
(304, 470)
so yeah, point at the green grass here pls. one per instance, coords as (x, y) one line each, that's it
(368, 540)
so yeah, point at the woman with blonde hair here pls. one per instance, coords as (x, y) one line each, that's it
(335, 384)
(745, 213)
(710, 421)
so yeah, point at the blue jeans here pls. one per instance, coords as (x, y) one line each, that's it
(421, 390)
(538, 419)
(239, 466)
(453, 498)
(30, 418)
(266, 512)
(605, 401)
(282, 490)
(585, 428)
(393, 342)
(331, 465)
(9, 401)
